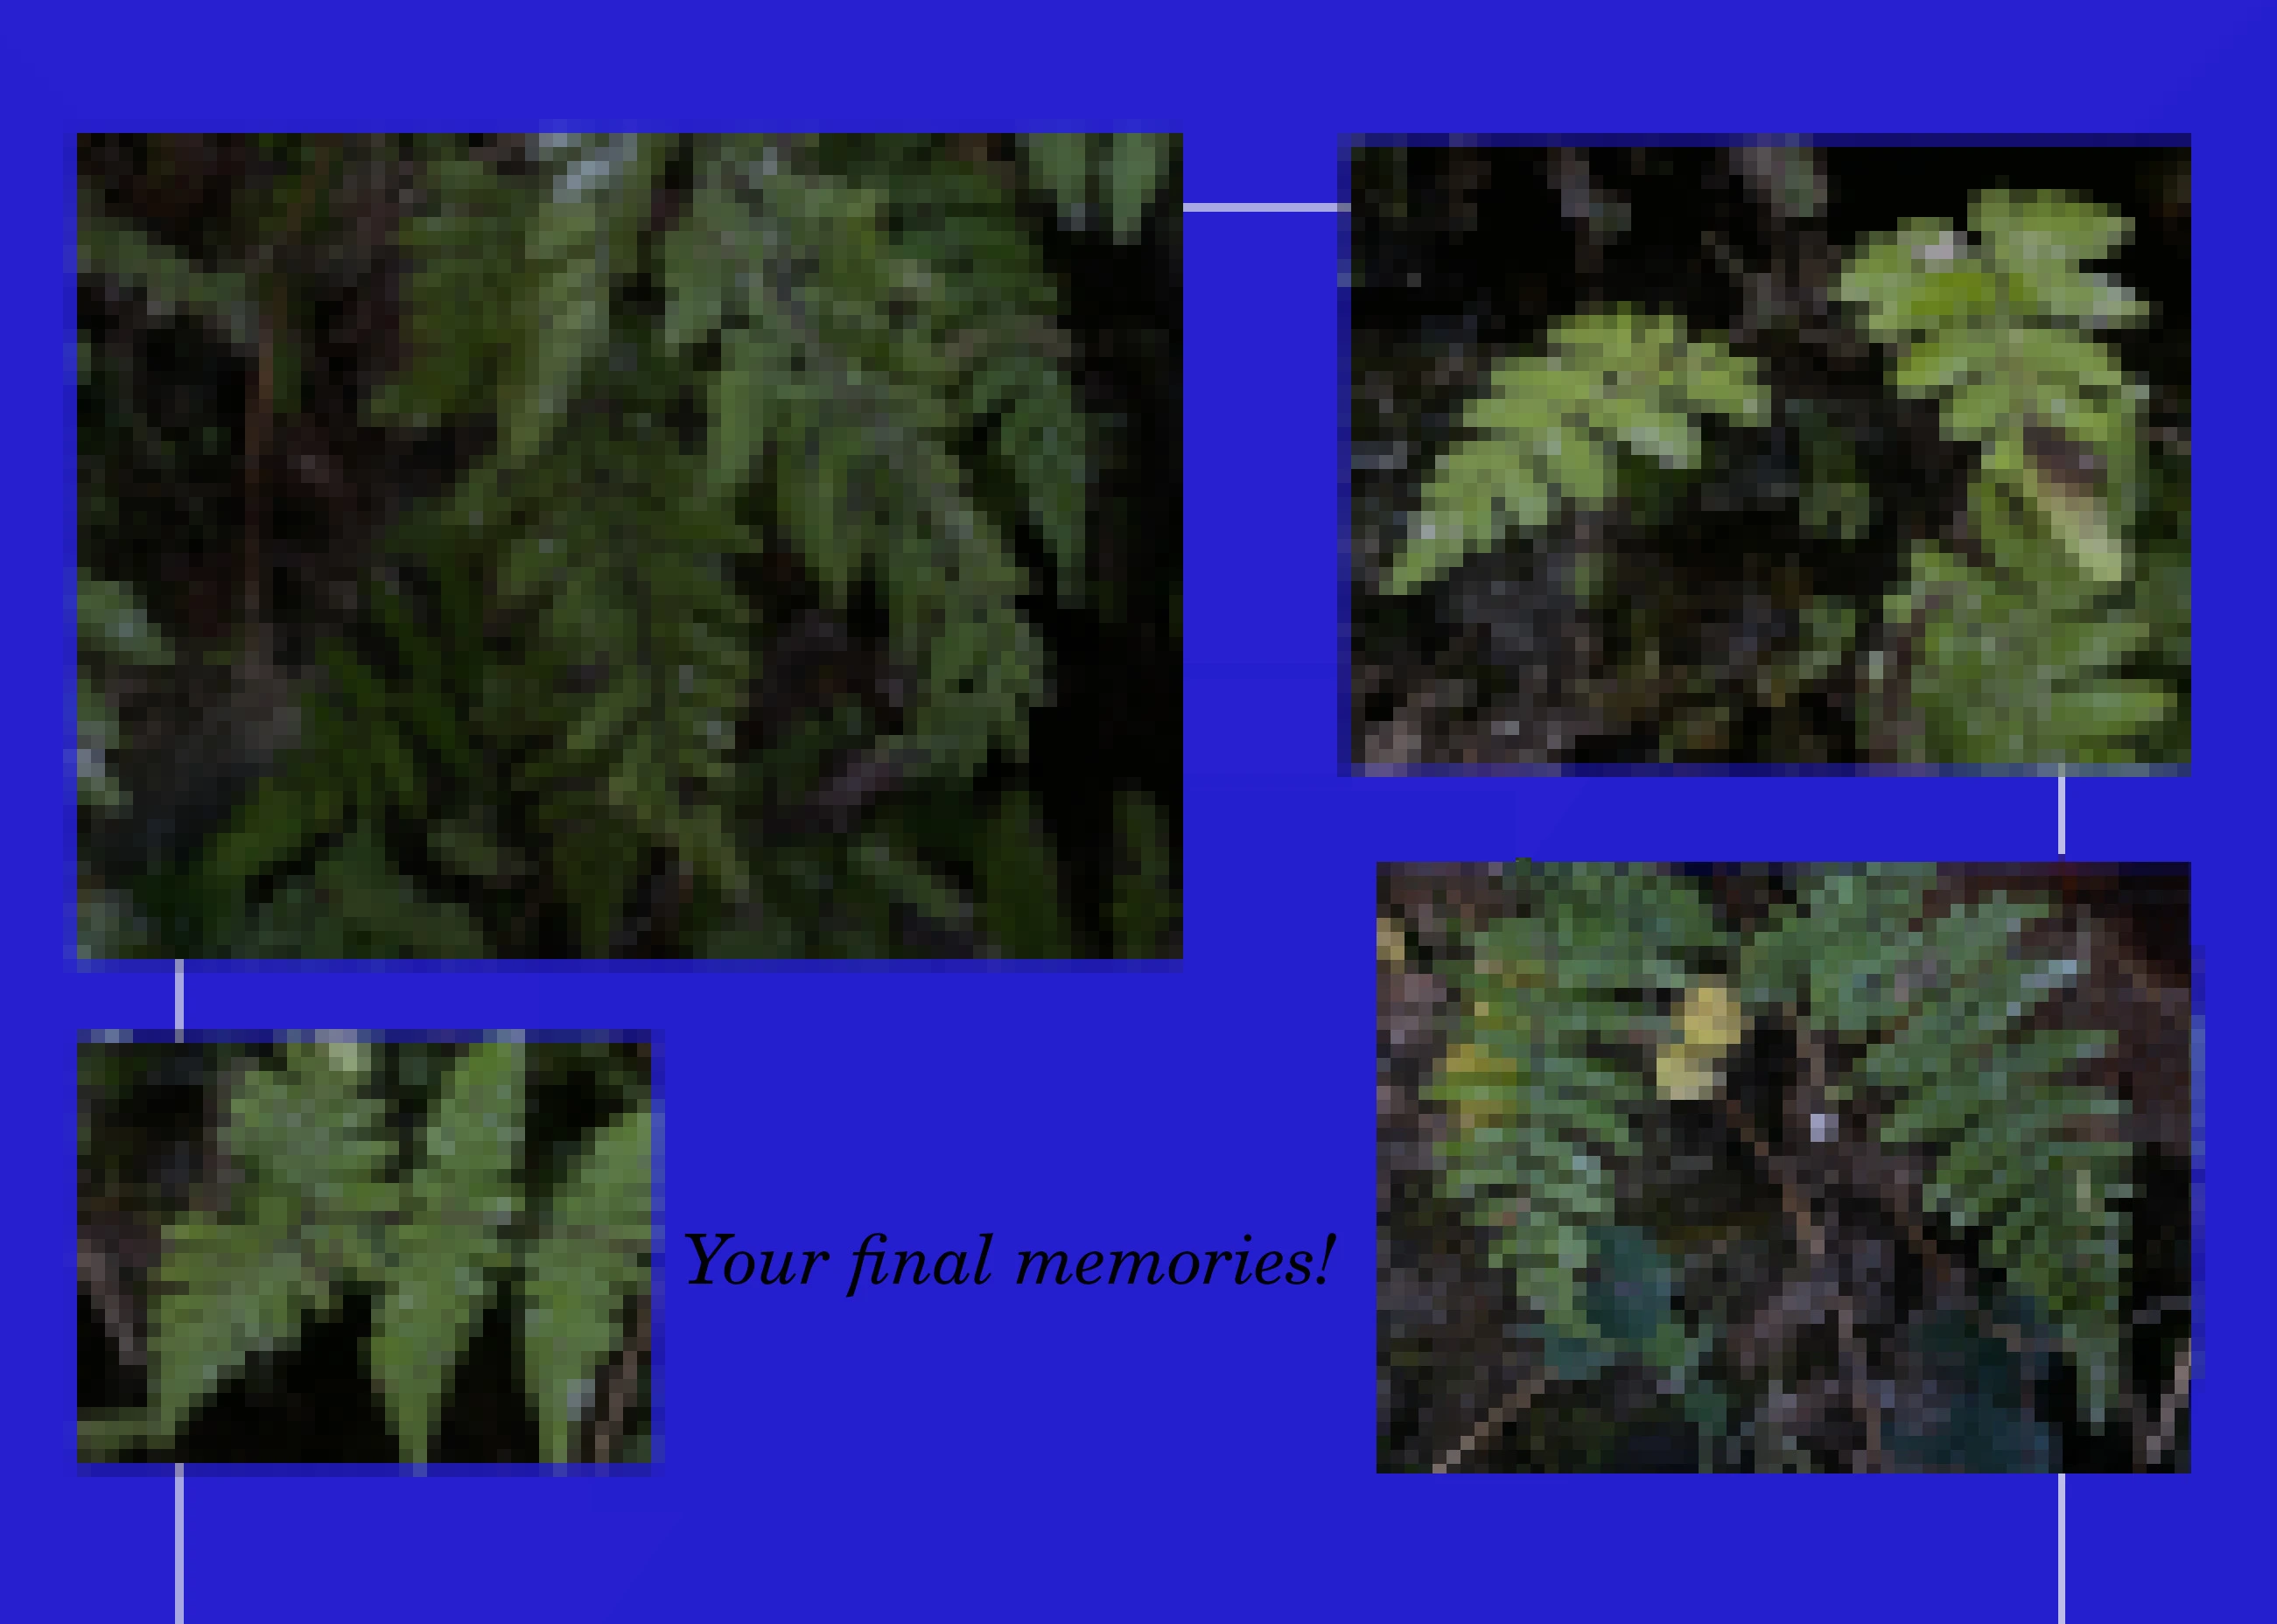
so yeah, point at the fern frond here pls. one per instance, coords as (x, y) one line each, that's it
(445, 1256)
(1943, 1009)
(1553, 431)
(170, 285)
(2013, 672)
(224, 1293)
(858, 413)
(592, 1252)
(1144, 909)
(1539, 1101)
(312, 1138)
(1997, 328)
(1099, 179)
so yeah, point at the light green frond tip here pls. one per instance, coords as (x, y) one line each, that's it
(1998, 327)
(1554, 431)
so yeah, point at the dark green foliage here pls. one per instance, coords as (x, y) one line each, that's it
(113, 630)
(1538, 1113)
(741, 510)
(1769, 1138)
(432, 1185)
(1764, 476)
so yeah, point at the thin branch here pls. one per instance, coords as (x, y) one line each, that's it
(111, 1303)
(2171, 1407)
(1491, 1422)
(1790, 1196)
(623, 1376)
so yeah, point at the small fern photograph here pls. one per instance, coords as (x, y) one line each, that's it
(1784, 1167)
(1858, 457)
(554, 546)
(340, 1250)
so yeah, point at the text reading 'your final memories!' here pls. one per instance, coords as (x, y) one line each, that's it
(969, 1266)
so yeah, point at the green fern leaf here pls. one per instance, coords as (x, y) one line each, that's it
(224, 1291)
(2011, 673)
(221, 300)
(1553, 430)
(592, 1252)
(1099, 179)
(314, 1127)
(311, 1139)
(1942, 1007)
(1061, 164)
(1998, 331)
(1539, 1115)
(449, 1249)
(465, 250)
(1144, 907)
(1019, 884)
(356, 904)
(1134, 169)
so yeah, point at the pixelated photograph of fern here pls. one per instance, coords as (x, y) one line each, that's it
(1786, 1168)
(336, 1249)
(555, 546)
(1857, 455)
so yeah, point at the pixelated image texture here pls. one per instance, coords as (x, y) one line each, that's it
(549, 547)
(1784, 1168)
(1851, 456)
(334, 1249)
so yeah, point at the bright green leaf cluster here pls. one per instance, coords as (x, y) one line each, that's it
(2050, 627)
(1996, 326)
(1555, 431)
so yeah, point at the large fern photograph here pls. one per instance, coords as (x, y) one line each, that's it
(1786, 1169)
(572, 545)
(1854, 457)
(334, 1249)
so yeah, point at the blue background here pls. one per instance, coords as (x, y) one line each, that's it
(1142, 1453)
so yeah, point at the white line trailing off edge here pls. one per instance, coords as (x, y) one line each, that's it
(1266, 208)
(2060, 1599)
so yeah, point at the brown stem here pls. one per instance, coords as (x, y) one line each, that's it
(1858, 1388)
(623, 1376)
(2170, 1408)
(1492, 1421)
(109, 1294)
(1789, 1193)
